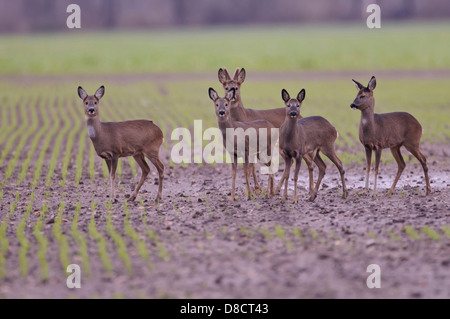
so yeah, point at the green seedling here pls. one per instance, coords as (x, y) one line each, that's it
(434, 235)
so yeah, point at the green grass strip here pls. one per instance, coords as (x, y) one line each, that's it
(42, 242)
(60, 238)
(81, 241)
(130, 232)
(434, 235)
(120, 243)
(101, 243)
(412, 232)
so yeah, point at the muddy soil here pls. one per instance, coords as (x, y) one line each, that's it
(201, 245)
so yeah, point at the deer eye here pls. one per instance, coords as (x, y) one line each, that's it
(226, 89)
(86, 103)
(217, 105)
(226, 104)
(95, 103)
(362, 96)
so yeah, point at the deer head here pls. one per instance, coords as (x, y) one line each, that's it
(91, 102)
(364, 99)
(222, 105)
(293, 105)
(229, 83)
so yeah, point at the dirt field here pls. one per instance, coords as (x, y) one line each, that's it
(208, 247)
(197, 244)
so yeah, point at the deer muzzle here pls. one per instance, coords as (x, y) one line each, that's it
(353, 106)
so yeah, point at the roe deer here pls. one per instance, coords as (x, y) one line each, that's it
(239, 113)
(387, 130)
(308, 135)
(222, 107)
(112, 140)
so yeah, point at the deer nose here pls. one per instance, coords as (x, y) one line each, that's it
(221, 113)
(353, 106)
(293, 114)
(91, 110)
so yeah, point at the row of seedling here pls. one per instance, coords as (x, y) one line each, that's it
(4, 242)
(36, 141)
(118, 240)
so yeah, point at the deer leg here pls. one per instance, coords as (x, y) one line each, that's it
(298, 162)
(255, 178)
(368, 161)
(331, 154)
(401, 166)
(377, 164)
(312, 192)
(287, 169)
(247, 179)
(422, 159)
(322, 168)
(280, 184)
(154, 158)
(108, 163)
(233, 178)
(140, 159)
(270, 192)
(112, 174)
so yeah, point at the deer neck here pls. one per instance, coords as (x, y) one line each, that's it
(93, 127)
(290, 128)
(367, 123)
(237, 111)
(224, 124)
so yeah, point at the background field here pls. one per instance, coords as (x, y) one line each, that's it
(54, 208)
(283, 48)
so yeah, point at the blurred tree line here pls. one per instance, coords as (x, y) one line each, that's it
(47, 15)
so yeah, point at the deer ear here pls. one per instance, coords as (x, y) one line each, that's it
(213, 94)
(301, 95)
(82, 93)
(223, 75)
(99, 93)
(358, 85)
(235, 75)
(241, 76)
(230, 94)
(372, 83)
(285, 96)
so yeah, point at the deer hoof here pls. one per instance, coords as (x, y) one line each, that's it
(132, 198)
(345, 194)
(312, 197)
